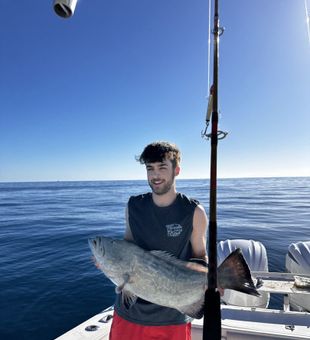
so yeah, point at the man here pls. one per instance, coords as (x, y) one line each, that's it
(161, 220)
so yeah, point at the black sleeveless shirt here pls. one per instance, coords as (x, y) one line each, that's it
(159, 228)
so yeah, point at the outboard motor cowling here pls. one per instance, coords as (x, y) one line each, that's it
(298, 261)
(255, 255)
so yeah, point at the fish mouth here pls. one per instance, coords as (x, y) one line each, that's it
(96, 245)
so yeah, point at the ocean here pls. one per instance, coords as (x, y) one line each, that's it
(48, 283)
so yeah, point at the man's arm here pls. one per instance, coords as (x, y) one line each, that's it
(198, 237)
(128, 234)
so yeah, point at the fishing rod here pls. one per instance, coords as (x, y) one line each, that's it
(212, 309)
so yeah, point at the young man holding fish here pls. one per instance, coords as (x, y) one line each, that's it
(158, 293)
(161, 220)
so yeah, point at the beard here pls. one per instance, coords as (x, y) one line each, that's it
(164, 187)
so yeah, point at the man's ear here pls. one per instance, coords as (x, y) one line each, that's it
(177, 170)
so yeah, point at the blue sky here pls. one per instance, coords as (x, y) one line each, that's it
(80, 97)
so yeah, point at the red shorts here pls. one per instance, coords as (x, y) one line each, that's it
(124, 330)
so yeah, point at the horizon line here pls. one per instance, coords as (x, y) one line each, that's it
(144, 179)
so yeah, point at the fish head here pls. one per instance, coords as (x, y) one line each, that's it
(109, 256)
(96, 245)
(105, 249)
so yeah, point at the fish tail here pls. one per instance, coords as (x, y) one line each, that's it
(235, 274)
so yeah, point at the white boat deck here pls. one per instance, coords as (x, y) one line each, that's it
(237, 324)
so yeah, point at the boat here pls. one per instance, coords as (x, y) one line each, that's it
(244, 316)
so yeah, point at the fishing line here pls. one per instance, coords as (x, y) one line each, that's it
(210, 104)
(209, 45)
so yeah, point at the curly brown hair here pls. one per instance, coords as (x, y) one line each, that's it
(158, 152)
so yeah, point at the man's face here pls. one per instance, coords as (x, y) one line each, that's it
(160, 176)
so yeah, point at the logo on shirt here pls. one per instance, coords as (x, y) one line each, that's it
(174, 230)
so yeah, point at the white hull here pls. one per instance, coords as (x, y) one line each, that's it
(237, 324)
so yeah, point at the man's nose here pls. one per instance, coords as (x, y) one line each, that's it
(155, 173)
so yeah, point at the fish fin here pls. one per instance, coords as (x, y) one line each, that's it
(128, 299)
(121, 287)
(234, 273)
(195, 310)
(167, 257)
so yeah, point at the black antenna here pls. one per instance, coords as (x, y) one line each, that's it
(212, 311)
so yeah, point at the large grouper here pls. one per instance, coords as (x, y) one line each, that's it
(161, 278)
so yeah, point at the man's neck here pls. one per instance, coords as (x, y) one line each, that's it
(165, 199)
